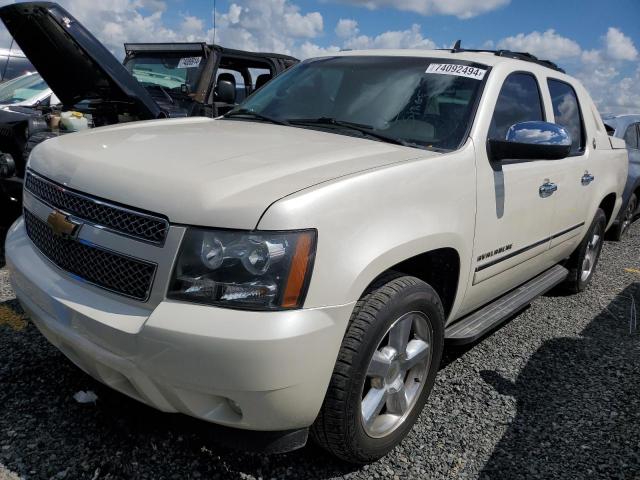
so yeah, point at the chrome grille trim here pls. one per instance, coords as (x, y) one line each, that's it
(99, 213)
(93, 264)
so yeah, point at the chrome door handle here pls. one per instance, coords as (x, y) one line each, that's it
(547, 189)
(587, 178)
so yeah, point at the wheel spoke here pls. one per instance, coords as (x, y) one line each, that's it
(417, 352)
(372, 403)
(399, 334)
(379, 365)
(397, 403)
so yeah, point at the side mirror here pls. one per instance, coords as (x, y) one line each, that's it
(531, 141)
(225, 92)
(7, 165)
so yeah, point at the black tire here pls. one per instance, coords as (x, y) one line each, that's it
(621, 227)
(338, 427)
(577, 281)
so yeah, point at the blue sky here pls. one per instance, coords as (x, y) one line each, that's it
(597, 41)
(584, 21)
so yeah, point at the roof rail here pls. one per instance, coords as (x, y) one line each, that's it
(527, 57)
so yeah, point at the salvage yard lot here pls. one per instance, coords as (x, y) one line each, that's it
(555, 393)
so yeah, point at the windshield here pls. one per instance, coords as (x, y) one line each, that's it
(169, 71)
(422, 102)
(24, 89)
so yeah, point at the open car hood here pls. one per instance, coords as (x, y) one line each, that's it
(75, 65)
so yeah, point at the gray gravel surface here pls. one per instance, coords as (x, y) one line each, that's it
(554, 393)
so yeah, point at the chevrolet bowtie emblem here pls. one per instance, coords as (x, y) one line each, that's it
(62, 226)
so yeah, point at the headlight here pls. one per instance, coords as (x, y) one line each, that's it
(251, 270)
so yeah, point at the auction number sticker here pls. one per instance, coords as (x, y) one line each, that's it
(458, 70)
(189, 62)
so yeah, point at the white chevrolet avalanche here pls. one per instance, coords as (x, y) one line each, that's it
(298, 266)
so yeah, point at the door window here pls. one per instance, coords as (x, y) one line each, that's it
(566, 111)
(631, 136)
(519, 101)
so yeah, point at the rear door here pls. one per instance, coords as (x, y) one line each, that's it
(575, 175)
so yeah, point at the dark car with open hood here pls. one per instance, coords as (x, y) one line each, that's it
(156, 80)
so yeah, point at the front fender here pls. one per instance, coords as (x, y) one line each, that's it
(370, 221)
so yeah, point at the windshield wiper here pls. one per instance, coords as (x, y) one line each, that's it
(245, 112)
(366, 130)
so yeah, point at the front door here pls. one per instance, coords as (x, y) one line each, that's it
(513, 219)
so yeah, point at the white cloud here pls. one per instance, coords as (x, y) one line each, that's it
(282, 26)
(618, 46)
(276, 25)
(308, 50)
(548, 45)
(308, 26)
(117, 21)
(346, 28)
(459, 8)
(411, 38)
(603, 71)
(191, 25)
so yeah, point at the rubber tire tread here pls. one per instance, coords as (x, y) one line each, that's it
(573, 283)
(330, 430)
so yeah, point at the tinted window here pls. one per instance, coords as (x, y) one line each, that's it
(631, 136)
(566, 111)
(519, 101)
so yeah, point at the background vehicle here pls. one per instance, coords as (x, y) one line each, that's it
(627, 127)
(21, 98)
(157, 80)
(322, 241)
(28, 90)
(13, 63)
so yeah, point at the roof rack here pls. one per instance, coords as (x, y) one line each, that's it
(527, 57)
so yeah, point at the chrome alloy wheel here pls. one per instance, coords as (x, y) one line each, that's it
(396, 375)
(591, 253)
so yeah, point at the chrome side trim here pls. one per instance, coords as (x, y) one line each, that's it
(527, 248)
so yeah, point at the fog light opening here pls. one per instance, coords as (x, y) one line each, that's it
(234, 407)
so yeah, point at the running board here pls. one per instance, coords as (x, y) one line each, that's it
(475, 325)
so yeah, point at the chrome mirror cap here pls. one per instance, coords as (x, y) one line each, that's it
(539, 133)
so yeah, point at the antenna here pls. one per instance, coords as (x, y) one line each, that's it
(214, 22)
(456, 46)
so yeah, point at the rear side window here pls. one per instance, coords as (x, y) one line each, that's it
(519, 101)
(631, 136)
(566, 111)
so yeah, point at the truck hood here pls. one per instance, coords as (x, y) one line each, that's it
(75, 65)
(200, 171)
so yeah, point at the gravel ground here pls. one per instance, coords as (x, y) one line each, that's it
(554, 393)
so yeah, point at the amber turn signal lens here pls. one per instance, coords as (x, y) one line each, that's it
(298, 272)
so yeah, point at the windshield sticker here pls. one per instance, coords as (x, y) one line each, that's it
(458, 70)
(189, 62)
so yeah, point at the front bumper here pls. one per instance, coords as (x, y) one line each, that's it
(179, 357)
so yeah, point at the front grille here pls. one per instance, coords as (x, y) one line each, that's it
(119, 219)
(103, 268)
